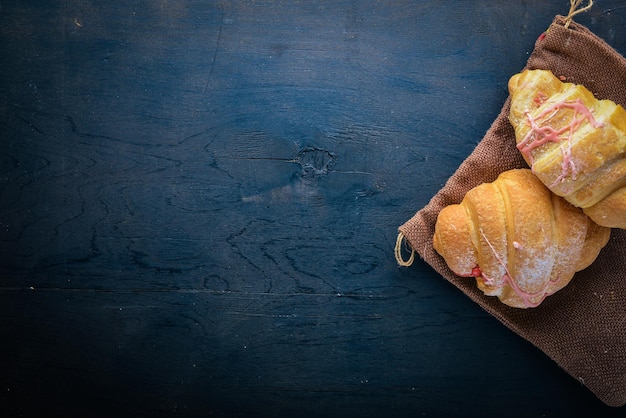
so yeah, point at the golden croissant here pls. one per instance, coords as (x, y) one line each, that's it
(521, 242)
(574, 143)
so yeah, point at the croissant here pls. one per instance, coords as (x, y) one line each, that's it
(519, 241)
(574, 143)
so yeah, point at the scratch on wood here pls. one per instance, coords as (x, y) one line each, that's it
(217, 47)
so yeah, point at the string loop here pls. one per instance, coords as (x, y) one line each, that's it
(398, 252)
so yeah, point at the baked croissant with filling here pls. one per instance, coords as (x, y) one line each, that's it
(574, 143)
(519, 241)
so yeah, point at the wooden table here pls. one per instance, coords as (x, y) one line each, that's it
(199, 202)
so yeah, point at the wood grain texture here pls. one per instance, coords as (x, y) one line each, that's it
(199, 203)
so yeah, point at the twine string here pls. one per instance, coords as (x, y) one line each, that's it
(398, 252)
(576, 9)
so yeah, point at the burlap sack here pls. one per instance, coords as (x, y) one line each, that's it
(582, 327)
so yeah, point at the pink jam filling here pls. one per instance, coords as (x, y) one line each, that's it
(506, 279)
(539, 135)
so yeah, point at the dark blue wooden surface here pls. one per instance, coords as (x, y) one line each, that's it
(199, 203)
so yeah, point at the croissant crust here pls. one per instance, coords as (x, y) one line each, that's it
(519, 241)
(574, 143)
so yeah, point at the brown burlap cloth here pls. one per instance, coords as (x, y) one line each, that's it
(582, 327)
